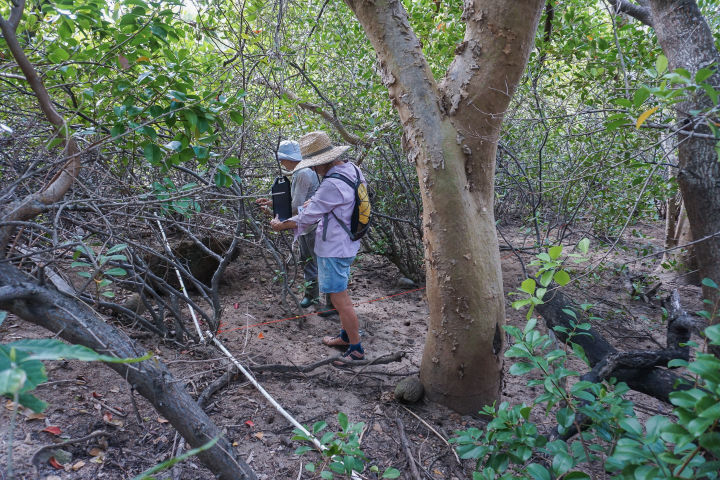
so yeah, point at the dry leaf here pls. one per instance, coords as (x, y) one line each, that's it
(52, 429)
(98, 459)
(258, 435)
(35, 416)
(96, 452)
(56, 464)
(123, 62)
(261, 335)
(162, 420)
(108, 418)
(10, 405)
(115, 390)
(235, 444)
(77, 466)
(97, 395)
(250, 423)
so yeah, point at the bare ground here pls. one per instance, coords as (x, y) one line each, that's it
(86, 397)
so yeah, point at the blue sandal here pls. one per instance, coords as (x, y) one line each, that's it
(354, 352)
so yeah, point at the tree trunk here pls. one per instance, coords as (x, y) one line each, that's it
(688, 43)
(677, 233)
(32, 205)
(78, 324)
(451, 132)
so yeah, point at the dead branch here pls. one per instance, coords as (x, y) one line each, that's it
(643, 376)
(78, 324)
(233, 375)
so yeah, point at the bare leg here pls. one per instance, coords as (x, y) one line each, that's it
(348, 319)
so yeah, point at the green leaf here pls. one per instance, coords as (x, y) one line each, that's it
(546, 277)
(310, 467)
(528, 286)
(683, 73)
(237, 117)
(153, 154)
(319, 426)
(661, 64)
(12, 380)
(703, 74)
(343, 421)
(555, 251)
(710, 283)
(200, 152)
(58, 55)
(391, 473)
(32, 402)
(51, 349)
(562, 278)
(521, 368)
(565, 417)
(538, 472)
(174, 145)
(713, 333)
(583, 245)
(191, 118)
(576, 476)
(116, 248)
(3, 316)
(117, 272)
(562, 462)
(630, 424)
(641, 94)
(326, 475)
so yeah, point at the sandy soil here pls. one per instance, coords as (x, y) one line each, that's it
(85, 397)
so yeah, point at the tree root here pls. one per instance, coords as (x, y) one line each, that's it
(233, 375)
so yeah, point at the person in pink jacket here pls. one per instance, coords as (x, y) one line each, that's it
(332, 203)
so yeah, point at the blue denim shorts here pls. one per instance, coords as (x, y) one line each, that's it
(333, 273)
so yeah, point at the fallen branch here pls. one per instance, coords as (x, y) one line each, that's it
(76, 323)
(233, 375)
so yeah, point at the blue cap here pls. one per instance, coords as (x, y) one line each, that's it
(289, 150)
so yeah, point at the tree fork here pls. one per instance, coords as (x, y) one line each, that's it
(450, 133)
(78, 324)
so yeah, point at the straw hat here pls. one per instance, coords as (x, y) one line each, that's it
(289, 150)
(317, 149)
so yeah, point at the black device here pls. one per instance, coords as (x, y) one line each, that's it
(282, 202)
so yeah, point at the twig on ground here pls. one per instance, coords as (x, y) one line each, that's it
(406, 448)
(36, 456)
(435, 432)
